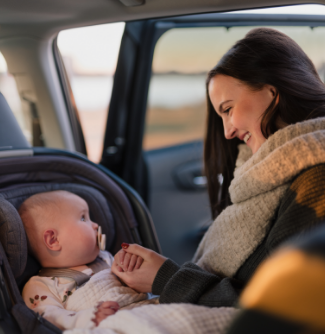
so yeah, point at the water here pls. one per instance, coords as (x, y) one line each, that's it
(173, 91)
(166, 91)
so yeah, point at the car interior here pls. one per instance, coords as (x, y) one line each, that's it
(132, 131)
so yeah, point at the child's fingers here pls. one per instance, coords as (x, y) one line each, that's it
(104, 313)
(121, 254)
(116, 268)
(138, 263)
(105, 309)
(126, 261)
(109, 311)
(119, 257)
(137, 250)
(132, 263)
(110, 305)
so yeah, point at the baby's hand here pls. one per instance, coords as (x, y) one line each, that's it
(105, 309)
(127, 262)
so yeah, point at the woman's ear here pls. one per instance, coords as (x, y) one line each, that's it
(51, 240)
(274, 92)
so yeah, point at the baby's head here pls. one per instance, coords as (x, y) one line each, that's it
(59, 229)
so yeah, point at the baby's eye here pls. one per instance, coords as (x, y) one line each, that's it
(83, 218)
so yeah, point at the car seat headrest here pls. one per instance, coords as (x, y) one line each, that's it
(12, 232)
(13, 237)
(11, 135)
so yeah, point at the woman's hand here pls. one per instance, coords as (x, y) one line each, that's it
(140, 279)
(127, 261)
(105, 309)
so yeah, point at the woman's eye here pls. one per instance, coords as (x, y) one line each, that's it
(226, 111)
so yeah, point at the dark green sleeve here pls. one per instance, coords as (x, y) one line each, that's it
(302, 208)
(191, 284)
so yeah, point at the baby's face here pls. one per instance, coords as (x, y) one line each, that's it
(77, 234)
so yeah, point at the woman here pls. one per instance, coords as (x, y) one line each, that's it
(266, 92)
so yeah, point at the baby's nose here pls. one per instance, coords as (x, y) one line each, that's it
(95, 225)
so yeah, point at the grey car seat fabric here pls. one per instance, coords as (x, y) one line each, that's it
(18, 173)
(111, 201)
(25, 171)
(12, 234)
(12, 237)
(23, 176)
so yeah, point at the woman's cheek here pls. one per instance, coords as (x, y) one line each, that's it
(237, 119)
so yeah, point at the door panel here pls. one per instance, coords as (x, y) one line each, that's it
(179, 207)
(175, 124)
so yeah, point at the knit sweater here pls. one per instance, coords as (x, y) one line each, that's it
(259, 185)
(286, 295)
(301, 208)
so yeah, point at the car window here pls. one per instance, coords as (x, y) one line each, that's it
(90, 58)
(182, 57)
(21, 109)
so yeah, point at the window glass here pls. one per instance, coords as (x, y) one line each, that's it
(21, 110)
(183, 56)
(90, 58)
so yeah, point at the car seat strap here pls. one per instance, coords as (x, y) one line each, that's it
(98, 265)
(79, 277)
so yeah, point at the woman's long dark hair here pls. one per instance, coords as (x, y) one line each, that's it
(264, 56)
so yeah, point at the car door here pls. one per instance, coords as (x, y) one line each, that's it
(169, 177)
(155, 129)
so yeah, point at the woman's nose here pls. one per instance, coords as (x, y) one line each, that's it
(230, 130)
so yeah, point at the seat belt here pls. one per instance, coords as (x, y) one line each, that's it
(79, 277)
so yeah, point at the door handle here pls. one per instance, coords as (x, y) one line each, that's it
(189, 176)
(200, 181)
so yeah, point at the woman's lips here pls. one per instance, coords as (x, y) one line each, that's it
(246, 137)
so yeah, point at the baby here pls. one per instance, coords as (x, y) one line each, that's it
(61, 235)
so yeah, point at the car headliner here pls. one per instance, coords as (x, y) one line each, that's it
(43, 18)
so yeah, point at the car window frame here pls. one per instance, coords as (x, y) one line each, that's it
(122, 149)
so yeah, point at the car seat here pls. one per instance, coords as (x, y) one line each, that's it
(25, 171)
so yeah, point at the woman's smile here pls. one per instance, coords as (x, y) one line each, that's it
(247, 137)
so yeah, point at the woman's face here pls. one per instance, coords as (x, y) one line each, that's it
(240, 108)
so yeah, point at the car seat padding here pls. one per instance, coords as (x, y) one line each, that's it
(13, 236)
(17, 172)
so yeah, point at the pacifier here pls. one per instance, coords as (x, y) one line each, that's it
(101, 239)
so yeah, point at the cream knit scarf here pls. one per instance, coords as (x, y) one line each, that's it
(259, 184)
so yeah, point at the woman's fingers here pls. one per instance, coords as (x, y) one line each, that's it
(137, 250)
(147, 265)
(139, 262)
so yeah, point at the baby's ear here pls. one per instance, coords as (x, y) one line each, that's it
(51, 240)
